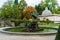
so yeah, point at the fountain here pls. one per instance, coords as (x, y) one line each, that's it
(32, 28)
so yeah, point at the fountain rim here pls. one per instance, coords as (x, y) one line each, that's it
(26, 33)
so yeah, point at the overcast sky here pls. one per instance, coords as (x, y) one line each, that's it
(30, 2)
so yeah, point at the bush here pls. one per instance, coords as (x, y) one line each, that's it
(46, 21)
(18, 22)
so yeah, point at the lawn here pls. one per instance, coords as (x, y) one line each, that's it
(22, 29)
(16, 29)
(50, 25)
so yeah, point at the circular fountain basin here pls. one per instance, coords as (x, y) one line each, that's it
(43, 32)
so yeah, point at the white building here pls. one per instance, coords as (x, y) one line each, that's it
(48, 15)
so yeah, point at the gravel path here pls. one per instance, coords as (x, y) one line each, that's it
(25, 37)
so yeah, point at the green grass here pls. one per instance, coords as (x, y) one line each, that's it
(16, 30)
(50, 25)
(22, 30)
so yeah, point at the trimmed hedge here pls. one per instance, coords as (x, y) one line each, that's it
(17, 22)
(58, 34)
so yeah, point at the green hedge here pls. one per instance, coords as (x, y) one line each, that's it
(58, 34)
(17, 22)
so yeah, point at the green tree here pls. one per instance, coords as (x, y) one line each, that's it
(40, 7)
(22, 6)
(12, 10)
(9, 10)
(16, 12)
(16, 2)
(6, 9)
(51, 4)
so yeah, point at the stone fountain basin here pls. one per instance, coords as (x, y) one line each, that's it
(53, 31)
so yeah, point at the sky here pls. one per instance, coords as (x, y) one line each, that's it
(30, 2)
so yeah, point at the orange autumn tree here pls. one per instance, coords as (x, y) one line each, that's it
(27, 12)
